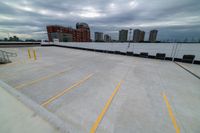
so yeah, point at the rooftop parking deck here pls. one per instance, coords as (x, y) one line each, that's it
(107, 93)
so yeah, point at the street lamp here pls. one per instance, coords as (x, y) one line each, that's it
(130, 31)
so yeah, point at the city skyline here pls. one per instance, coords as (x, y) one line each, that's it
(174, 19)
(82, 34)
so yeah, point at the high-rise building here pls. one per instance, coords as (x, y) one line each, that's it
(68, 34)
(107, 38)
(123, 35)
(138, 35)
(142, 35)
(83, 32)
(98, 36)
(153, 36)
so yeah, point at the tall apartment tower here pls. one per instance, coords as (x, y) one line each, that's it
(98, 36)
(123, 35)
(138, 35)
(107, 38)
(153, 36)
(142, 35)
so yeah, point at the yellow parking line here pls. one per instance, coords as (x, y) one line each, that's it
(41, 79)
(173, 118)
(47, 102)
(100, 117)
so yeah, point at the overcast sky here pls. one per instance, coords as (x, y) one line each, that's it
(175, 19)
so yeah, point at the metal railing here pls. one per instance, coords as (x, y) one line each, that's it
(5, 56)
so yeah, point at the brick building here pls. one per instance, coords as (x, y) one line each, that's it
(68, 34)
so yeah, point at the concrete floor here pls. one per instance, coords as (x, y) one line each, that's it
(139, 106)
(22, 119)
(191, 67)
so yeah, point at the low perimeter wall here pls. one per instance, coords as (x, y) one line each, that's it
(172, 50)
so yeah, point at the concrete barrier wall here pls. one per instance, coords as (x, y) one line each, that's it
(175, 50)
(183, 49)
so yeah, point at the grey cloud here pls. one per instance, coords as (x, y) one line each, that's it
(174, 19)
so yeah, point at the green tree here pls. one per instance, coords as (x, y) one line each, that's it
(5, 39)
(10, 39)
(15, 38)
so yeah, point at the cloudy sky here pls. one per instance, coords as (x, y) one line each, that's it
(175, 19)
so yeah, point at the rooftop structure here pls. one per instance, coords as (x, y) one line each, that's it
(82, 25)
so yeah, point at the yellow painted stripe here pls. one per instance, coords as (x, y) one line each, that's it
(47, 102)
(173, 118)
(100, 117)
(29, 53)
(35, 55)
(40, 79)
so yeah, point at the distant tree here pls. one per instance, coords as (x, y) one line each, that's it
(29, 40)
(5, 39)
(15, 38)
(10, 39)
(32, 40)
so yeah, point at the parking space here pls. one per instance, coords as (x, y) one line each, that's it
(107, 93)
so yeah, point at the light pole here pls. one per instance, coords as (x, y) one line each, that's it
(130, 31)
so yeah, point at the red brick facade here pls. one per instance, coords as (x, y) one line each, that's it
(80, 34)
